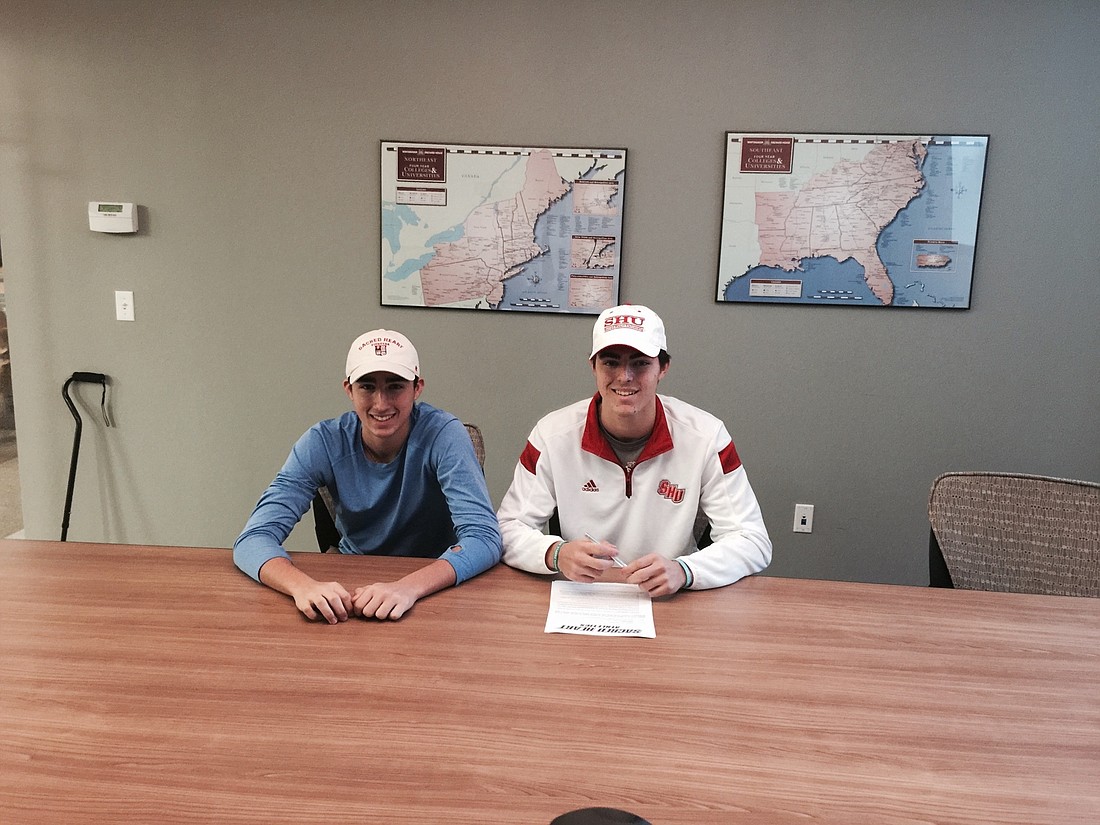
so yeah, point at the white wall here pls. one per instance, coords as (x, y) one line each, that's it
(250, 132)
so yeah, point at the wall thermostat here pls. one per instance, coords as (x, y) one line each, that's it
(112, 217)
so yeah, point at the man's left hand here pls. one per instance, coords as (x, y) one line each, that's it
(383, 600)
(655, 574)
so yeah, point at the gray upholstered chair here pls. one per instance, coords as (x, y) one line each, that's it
(474, 431)
(1015, 533)
(324, 509)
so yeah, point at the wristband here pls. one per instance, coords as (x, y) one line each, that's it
(689, 579)
(554, 559)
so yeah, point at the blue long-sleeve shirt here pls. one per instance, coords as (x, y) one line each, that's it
(430, 501)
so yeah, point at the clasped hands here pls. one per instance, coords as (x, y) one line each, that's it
(331, 602)
(584, 560)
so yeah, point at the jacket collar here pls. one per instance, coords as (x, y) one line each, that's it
(593, 440)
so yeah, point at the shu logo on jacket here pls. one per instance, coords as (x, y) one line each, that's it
(590, 487)
(666, 489)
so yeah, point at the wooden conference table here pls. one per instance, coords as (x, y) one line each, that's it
(153, 684)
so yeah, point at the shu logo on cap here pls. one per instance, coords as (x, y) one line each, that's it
(620, 321)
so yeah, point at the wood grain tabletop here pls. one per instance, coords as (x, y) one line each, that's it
(156, 684)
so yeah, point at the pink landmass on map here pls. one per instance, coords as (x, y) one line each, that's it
(498, 237)
(840, 213)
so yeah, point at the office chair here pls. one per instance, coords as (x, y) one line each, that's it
(474, 431)
(1014, 533)
(324, 509)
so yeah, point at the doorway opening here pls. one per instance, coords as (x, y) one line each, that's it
(11, 503)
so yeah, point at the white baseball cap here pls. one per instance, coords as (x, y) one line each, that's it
(631, 325)
(382, 350)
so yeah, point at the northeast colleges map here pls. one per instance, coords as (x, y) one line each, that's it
(505, 228)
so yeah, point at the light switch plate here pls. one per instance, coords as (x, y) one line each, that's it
(803, 518)
(124, 305)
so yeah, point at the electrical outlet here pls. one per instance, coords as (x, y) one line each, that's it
(124, 305)
(803, 518)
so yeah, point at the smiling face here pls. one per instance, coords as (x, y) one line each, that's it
(384, 402)
(627, 382)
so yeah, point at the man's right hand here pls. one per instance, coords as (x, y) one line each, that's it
(324, 600)
(327, 601)
(582, 560)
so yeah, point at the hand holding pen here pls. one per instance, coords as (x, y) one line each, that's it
(654, 574)
(583, 560)
(615, 560)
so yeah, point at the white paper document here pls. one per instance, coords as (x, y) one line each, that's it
(602, 609)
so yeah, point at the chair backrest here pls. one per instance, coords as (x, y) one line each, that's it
(324, 509)
(324, 521)
(474, 431)
(1016, 533)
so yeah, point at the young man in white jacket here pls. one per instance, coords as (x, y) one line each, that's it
(627, 472)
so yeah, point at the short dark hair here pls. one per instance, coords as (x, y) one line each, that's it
(663, 358)
(361, 378)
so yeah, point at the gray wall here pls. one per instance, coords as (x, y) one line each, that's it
(249, 133)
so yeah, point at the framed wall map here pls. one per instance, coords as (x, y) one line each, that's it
(853, 220)
(501, 227)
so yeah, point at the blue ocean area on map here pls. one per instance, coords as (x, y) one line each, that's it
(932, 214)
(840, 280)
(538, 281)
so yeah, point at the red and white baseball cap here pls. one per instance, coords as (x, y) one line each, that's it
(631, 325)
(382, 350)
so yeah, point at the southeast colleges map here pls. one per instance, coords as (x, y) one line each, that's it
(498, 227)
(857, 220)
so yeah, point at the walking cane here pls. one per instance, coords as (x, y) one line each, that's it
(87, 378)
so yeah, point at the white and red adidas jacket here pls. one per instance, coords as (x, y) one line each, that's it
(688, 465)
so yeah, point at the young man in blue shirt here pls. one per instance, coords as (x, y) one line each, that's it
(405, 481)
